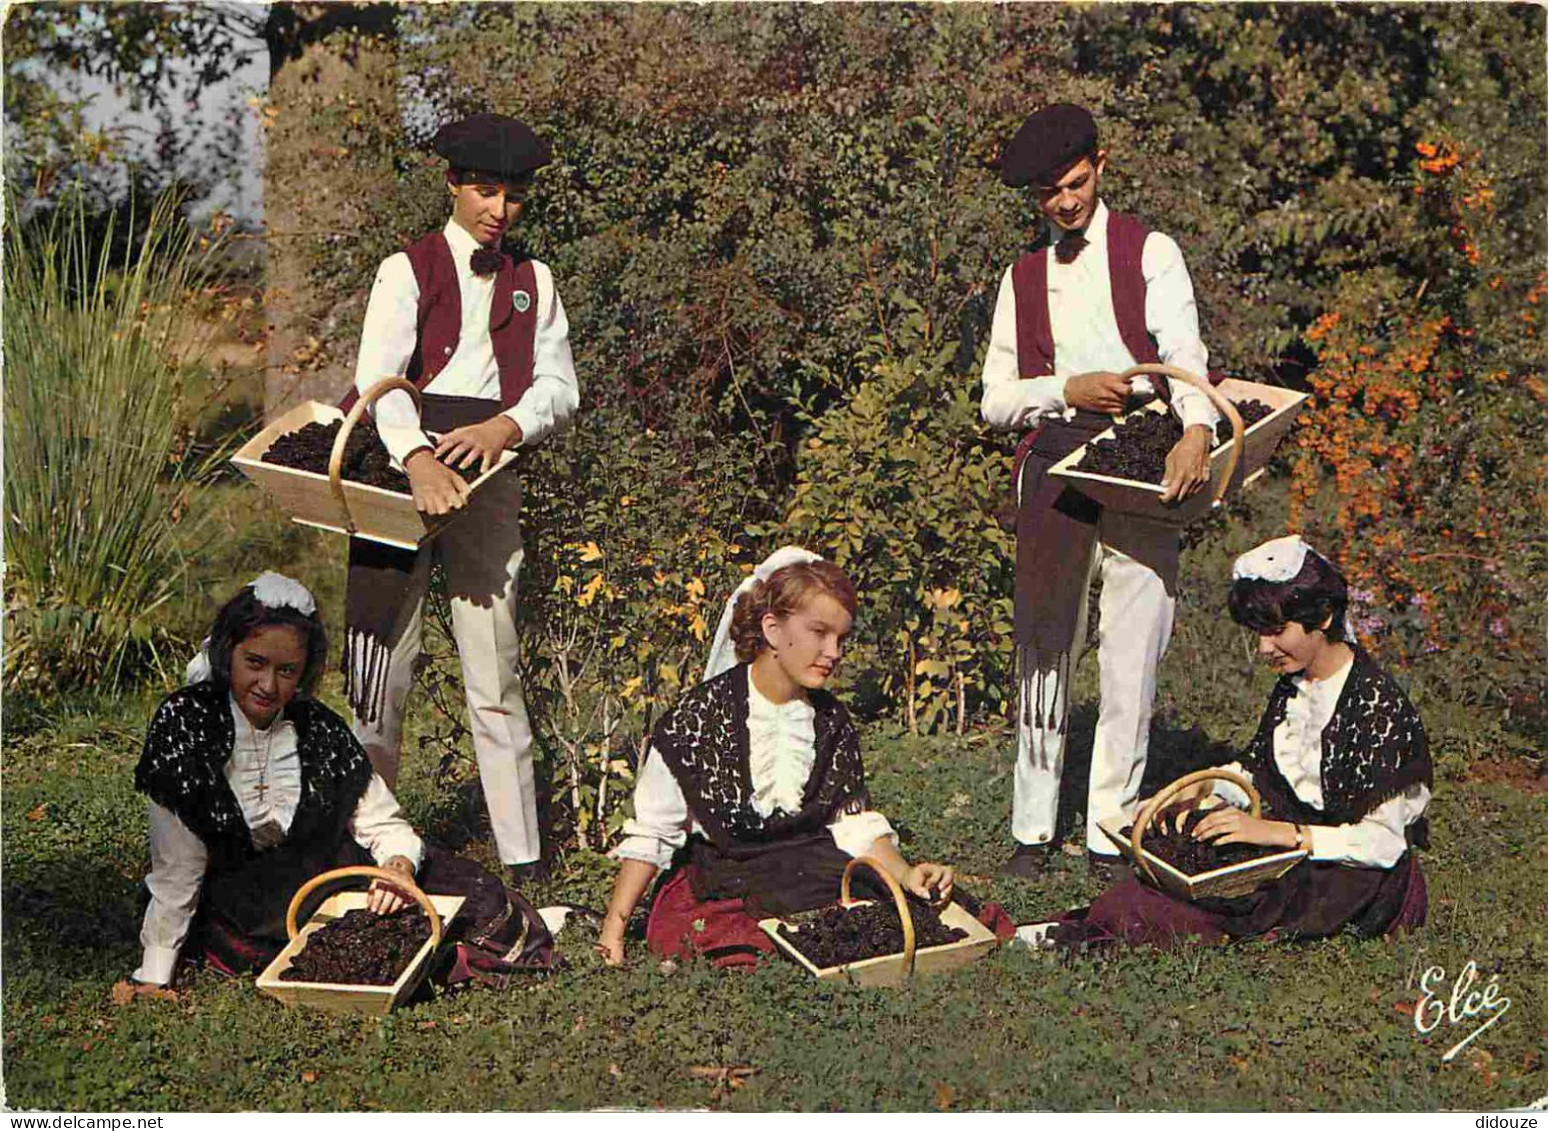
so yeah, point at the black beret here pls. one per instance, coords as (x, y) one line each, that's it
(1048, 141)
(492, 143)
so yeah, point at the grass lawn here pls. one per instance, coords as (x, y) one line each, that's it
(1319, 1026)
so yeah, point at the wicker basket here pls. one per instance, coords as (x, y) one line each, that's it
(334, 503)
(377, 1001)
(1232, 465)
(1217, 883)
(894, 969)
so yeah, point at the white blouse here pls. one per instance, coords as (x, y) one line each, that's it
(388, 336)
(1085, 332)
(782, 746)
(264, 772)
(1374, 841)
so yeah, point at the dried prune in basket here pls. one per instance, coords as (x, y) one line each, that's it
(361, 948)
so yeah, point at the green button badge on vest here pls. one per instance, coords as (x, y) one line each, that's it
(521, 300)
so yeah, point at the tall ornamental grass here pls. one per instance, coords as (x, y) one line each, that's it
(97, 435)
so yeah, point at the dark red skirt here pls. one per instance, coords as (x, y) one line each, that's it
(1310, 901)
(722, 930)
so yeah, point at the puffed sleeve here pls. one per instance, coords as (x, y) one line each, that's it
(378, 826)
(661, 821)
(1377, 840)
(1232, 793)
(856, 832)
(178, 860)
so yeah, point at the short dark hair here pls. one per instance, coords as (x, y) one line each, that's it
(458, 176)
(1316, 595)
(244, 615)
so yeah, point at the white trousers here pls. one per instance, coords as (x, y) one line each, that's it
(481, 554)
(1137, 561)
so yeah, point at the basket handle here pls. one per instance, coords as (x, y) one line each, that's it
(336, 459)
(397, 879)
(1149, 810)
(1227, 410)
(897, 897)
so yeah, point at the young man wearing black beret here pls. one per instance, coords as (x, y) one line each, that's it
(1099, 294)
(484, 338)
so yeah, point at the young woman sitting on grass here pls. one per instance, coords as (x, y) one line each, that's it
(255, 787)
(753, 784)
(1340, 763)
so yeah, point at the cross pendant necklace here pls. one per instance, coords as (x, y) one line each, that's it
(262, 788)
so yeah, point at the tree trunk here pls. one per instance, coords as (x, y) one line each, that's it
(330, 74)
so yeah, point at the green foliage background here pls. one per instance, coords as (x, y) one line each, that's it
(778, 231)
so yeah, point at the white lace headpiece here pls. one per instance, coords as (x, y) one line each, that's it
(722, 656)
(275, 590)
(272, 590)
(1279, 560)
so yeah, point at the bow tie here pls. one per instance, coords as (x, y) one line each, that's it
(1069, 245)
(486, 261)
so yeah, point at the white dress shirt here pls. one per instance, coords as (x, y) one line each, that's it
(179, 857)
(1086, 337)
(1374, 841)
(388, 337)
(782, 746)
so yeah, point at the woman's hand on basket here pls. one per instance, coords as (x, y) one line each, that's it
(931, 881)
(1180, 805)
(437, 488)
(1229, 825)
(382, 897)
(485, 442)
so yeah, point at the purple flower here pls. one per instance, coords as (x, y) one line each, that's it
(1371, 625)
(1419, 601)
(1361, 596)
(1430, 647)
(1498, 629)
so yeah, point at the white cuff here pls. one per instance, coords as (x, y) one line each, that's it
(410, 847)
(1197, 410)
(400, 440)
(647, 849)
(157, 965)
(1232, 794)
(1358, 845)
(854, 833)
(528, 419)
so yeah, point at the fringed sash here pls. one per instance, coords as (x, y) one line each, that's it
(1055, 531)
(380, 579)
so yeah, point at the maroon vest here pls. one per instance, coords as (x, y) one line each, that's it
(1034, 332)
(439, 323)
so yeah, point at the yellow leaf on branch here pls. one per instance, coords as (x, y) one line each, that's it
(589, 594)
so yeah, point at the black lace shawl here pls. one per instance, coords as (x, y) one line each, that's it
(1373, 748)
(190, 741)
(704, 742)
